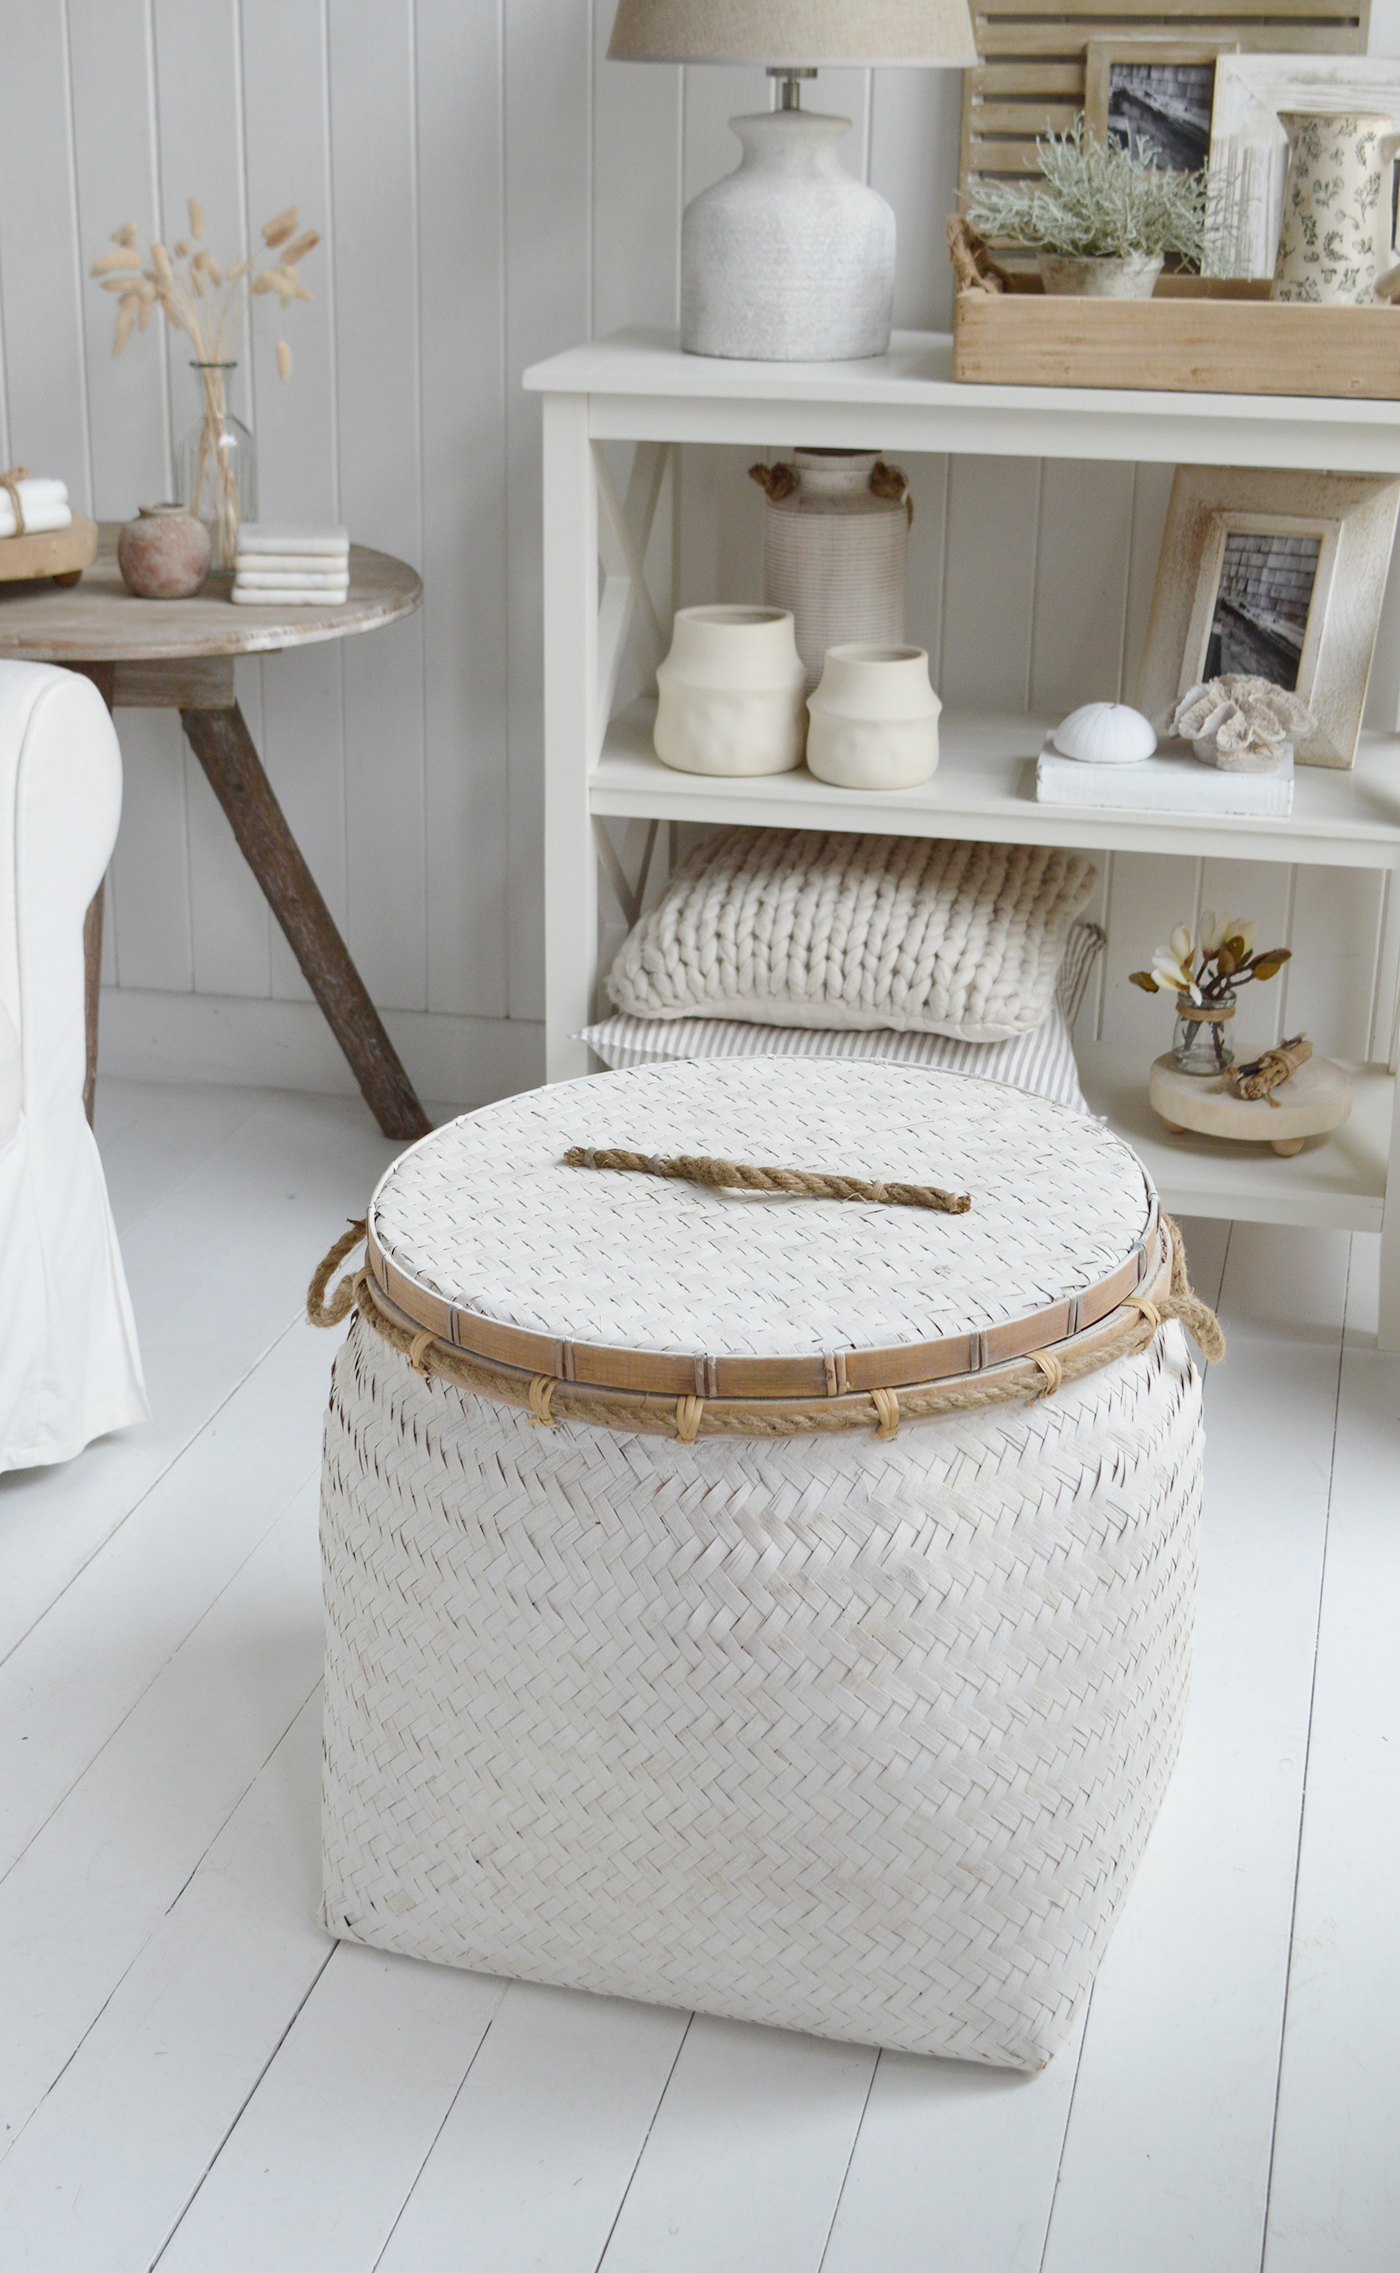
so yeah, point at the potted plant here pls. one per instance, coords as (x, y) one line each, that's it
(1101, 218)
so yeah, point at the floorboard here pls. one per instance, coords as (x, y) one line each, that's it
(1335, 2198)
(1167, 2150)
(319, 2167)
(954, 2168)
(69, 1684)
(744, 2164)
(544, 2135)
(218, 1267)
(192, 2074)
(161, 2076)
(90, 1890)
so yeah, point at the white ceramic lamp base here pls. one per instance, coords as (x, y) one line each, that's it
(789, 259)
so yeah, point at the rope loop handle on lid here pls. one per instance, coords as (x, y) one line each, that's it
(742, 1176)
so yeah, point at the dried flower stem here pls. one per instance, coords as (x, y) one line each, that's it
(207, 300)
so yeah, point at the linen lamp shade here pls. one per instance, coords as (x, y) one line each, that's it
(790, 260)
(796, 34)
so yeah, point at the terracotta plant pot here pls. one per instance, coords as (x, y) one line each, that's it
(164, 553)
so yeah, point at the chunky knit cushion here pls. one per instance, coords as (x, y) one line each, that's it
(792, 927)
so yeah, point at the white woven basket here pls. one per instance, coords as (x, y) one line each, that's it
(854, 1733)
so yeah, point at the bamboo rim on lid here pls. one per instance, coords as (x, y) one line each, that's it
(742, 1248)
(998, 1374)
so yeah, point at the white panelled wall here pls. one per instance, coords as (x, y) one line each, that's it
(490, 189)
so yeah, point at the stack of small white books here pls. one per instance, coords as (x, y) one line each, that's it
(281, 564)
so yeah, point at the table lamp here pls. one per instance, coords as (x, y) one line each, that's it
(790, 259)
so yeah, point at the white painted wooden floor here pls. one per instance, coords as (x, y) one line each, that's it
(191, 2075)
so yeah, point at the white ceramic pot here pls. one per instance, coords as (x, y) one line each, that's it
(731, 693)
(1129, 277)
(835, 550)
(789, 258)
(874, 718)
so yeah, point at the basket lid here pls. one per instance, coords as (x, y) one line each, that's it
(483, 1237)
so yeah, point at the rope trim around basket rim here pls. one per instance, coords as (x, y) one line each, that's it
(1166, 1295)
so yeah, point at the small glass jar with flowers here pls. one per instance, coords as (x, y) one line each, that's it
(1205, 973)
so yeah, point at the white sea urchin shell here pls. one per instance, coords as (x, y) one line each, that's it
(1105, 734)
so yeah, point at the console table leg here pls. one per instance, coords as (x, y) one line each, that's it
(224, 747)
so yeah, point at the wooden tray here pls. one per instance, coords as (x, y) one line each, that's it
(1204, 335)
(62, 554)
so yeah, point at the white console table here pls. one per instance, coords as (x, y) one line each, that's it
(637, 387)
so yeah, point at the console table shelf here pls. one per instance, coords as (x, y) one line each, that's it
(599, 763)
(985, 787)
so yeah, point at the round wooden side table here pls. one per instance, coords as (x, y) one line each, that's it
(178, 655)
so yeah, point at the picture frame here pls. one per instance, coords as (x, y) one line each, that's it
(1275, 572)
(1029, 79)
(1249, 149)
(1123, 75)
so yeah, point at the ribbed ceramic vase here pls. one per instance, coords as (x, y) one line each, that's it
(874, 718)
(730, 693)
(835, 551)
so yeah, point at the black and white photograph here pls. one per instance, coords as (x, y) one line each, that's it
(1262, 605)
(1163, 110)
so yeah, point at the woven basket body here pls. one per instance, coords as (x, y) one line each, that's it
(853, 1735)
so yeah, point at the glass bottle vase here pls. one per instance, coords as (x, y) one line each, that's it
(218, 464)
(1201, 1042)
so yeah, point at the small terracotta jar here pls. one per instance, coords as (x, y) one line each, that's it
(164, 553)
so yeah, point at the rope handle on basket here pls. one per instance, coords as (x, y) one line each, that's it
(741, 1176)
(319, 1312)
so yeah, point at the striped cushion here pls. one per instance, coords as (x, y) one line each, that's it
(1041, 1061)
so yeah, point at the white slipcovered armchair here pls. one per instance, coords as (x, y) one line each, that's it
(69, 1366)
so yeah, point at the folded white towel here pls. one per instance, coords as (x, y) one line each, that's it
(45, 503)
(291, 536)
(302, 597)
(291, 564)
(301, 579)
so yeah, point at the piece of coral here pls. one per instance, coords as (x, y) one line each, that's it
(1241, 723)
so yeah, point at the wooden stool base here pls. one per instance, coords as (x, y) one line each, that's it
(1316, 1099)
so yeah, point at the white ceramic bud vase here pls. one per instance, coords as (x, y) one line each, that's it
(874, 719)
(730, 693)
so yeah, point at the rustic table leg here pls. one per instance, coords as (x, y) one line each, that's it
(224, 747)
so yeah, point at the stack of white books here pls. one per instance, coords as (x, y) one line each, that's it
(279, 564)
